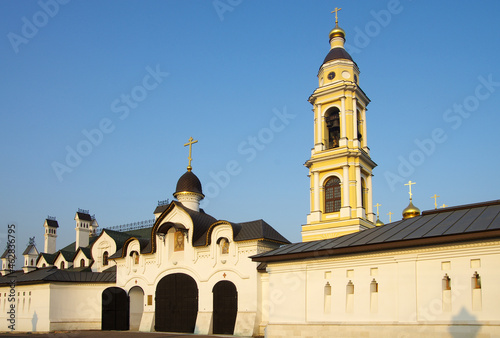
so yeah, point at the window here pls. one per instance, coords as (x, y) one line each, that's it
(105, 258)
(374, 296)
(363, 194)
(62, 265)
(332, 195)
(446, 293)
(349, 306)
(476, 292)
(328, 298)
(82, 263)
(360, 126)
(332, 121)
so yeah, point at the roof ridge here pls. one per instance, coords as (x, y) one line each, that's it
(460, 207)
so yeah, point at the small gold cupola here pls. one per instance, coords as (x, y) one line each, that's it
(378, 222)
(410, 211)
(337, 34)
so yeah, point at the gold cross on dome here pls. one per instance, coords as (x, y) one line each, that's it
(435, 201)
(390, 218)
(444, 206)
(190, 144)
(376, 206)
(410, 183)
(336, 17)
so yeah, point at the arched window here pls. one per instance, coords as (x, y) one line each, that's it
(332, 121)
(32, 262)
(105, 258)
(82, 263)
(62, 265)
(360, 126)
(43, 265)
(332, 195)
(363, 194)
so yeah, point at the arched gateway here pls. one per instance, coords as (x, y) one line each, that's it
(115, 305)
(225, 307)
(176, 304)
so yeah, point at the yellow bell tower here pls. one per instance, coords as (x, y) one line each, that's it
(340, 167)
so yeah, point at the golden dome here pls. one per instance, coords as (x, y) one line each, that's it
(337, 31)
(379, 222)
(411, 211)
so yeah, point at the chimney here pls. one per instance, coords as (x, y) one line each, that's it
(50, 226)
(83, 228)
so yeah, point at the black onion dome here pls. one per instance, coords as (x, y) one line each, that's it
(188, 183)
(336, 54)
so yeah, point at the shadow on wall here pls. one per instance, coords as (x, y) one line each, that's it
(459, 330)
(34, 321)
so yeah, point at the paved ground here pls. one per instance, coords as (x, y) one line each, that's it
(92, 334)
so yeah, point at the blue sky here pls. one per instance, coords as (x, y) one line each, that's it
(150, 74)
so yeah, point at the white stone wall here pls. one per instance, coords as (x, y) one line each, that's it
(410, 292)
(49, 307)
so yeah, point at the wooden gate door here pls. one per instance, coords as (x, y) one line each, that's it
(225, 307)
(115, 309)
(176, 304)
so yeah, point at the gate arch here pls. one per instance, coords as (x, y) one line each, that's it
(225, 307)
(136, 296)
(115, 309)
(176, 303)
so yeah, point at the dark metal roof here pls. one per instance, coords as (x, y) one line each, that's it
(441, 226)
(49, 258)
(337, 53)
(67, 255)
(259, 229)
(161, 208)
(84, 216)
(85, 251)
(52, 274)
(28, 249)
(188, 182)
(5, 253)
(71, 247)
(52, 223)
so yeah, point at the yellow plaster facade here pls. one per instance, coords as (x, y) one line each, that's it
(340, 167)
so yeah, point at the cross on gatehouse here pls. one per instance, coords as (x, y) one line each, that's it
(190, 144)
(376, 206)
(336, 17)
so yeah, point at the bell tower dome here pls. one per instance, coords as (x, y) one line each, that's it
(340, 167)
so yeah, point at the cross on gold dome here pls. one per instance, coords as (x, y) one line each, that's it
(435, 200)
(376, 206)
(336, 17)
(410, 183)
(390, 218)
(190, 144)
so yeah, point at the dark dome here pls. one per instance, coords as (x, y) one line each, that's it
(337, 53)
(188, 183)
